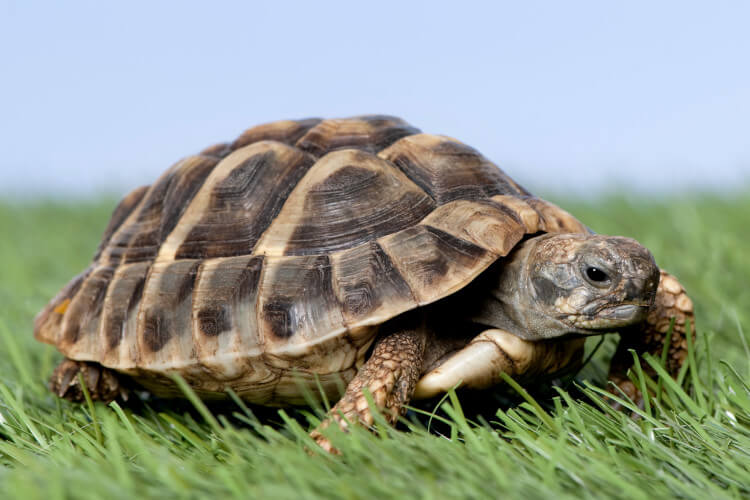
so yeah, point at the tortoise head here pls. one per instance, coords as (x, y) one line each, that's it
(559, 284)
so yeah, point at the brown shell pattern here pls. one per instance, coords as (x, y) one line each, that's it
(274, 257)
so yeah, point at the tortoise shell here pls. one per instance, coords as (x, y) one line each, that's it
(268, 262)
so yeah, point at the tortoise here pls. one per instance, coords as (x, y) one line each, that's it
(321, 257)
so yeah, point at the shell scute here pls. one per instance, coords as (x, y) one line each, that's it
(79, 331)
(529, 217)
(489, 225)
(449, 170)
(300, 320)
(286, 131)
(120, 214)
(369, 133)
(434, 263)
(117, 331)
(139, 237)
(347, 198)
(48, 322)
(368, 285)
(224, 316)
(164, 320)
(237, 202)
(553, 219)
(297, 305)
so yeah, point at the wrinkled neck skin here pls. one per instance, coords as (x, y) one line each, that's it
(541, 290)
(502, 302)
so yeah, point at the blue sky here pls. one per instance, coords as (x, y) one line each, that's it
(590, 96)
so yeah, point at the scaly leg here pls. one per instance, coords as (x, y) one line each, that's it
(390, 376)
(102, 383)
(671, 302)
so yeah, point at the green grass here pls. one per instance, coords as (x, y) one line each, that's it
(692, 442)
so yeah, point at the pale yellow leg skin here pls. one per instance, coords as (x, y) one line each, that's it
(390, 376)
(671, 302)
(479, 365)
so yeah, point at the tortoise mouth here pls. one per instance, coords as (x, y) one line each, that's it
(633, 312)
(607, 318)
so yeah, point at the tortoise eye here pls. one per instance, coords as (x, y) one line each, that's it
(597, 275)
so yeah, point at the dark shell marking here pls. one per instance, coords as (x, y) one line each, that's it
(138, 238)
(166, 310)
(299, 299)
(82, 316)
(122, 212)
(242, 204)
(433, 261)
(369, 286)
(123, 297)
(273, 258)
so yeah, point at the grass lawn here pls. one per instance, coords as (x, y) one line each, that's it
(692, 442)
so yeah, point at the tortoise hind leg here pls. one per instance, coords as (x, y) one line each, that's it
(671, 303)
(389, 375)
(102, 383)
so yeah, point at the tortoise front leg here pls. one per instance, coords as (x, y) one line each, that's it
(671, 302)
(390, 376)
(102, 383)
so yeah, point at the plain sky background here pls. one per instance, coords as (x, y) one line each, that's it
(591, 96)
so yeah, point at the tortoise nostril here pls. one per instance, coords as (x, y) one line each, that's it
(640, 290)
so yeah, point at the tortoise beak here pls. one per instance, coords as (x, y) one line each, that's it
(627, 313)
(610, 318)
